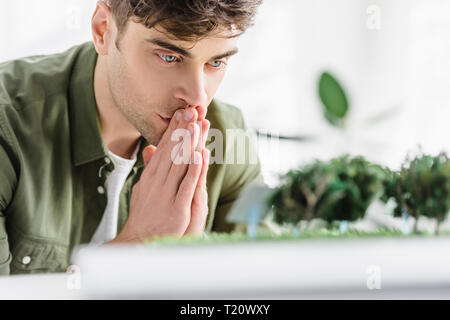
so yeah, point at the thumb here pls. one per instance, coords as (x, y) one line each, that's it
(148, 153)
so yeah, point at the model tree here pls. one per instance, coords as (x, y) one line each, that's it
(434, 175)
(339, 190)
(357, 182)
(421, 187)
(300, 193)
(392, 189)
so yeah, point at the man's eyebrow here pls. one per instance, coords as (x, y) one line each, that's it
(226, 54)
(171, 47)
(183, 52)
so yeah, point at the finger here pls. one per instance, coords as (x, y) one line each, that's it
(205, 125)
(195, 139)
(201, 112)
(163, 155)
(207, 157)
(187, 187)
(173, 125)
(200, 201)
(183, 151)
(148, 153)
(182, 159)
(201, 185)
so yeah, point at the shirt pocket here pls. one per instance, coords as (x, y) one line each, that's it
(5, 256)
(30, 255)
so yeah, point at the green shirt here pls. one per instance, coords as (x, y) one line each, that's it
(53, 161)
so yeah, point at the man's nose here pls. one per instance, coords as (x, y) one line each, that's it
(194, 90)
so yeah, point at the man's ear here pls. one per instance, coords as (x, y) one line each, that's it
(102, 27)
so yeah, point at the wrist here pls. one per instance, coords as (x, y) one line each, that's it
(123, 238)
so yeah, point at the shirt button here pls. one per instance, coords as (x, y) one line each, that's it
(107, 160)
(101, 190)
(26, 260)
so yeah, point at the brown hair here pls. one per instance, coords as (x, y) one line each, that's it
(186, 19)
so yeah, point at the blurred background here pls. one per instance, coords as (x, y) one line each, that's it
(391, 57)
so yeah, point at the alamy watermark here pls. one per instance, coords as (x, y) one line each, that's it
(73, 14)
(373, 21)
(74, 278)
(373, 281)
(236, 146)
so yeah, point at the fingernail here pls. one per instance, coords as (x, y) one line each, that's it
(191, 129)
(179, 115)
(188, 115)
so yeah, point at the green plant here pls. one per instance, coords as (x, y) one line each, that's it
(300, 193)
(339, 190)
(334, 100)
(421, 187)
(392, 189)
(357, 182)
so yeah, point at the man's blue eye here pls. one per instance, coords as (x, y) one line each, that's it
(168, 58)
(216, 64)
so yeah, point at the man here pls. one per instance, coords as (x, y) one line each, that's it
(87, 143)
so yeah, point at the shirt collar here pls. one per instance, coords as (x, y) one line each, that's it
(87, 142)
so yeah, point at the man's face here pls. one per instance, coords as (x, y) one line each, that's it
(151, 75)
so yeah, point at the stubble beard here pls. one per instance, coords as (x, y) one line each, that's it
(128, 107)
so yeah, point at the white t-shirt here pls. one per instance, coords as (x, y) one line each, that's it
(107, 230)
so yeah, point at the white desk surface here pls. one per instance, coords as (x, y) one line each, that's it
(413, 268)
